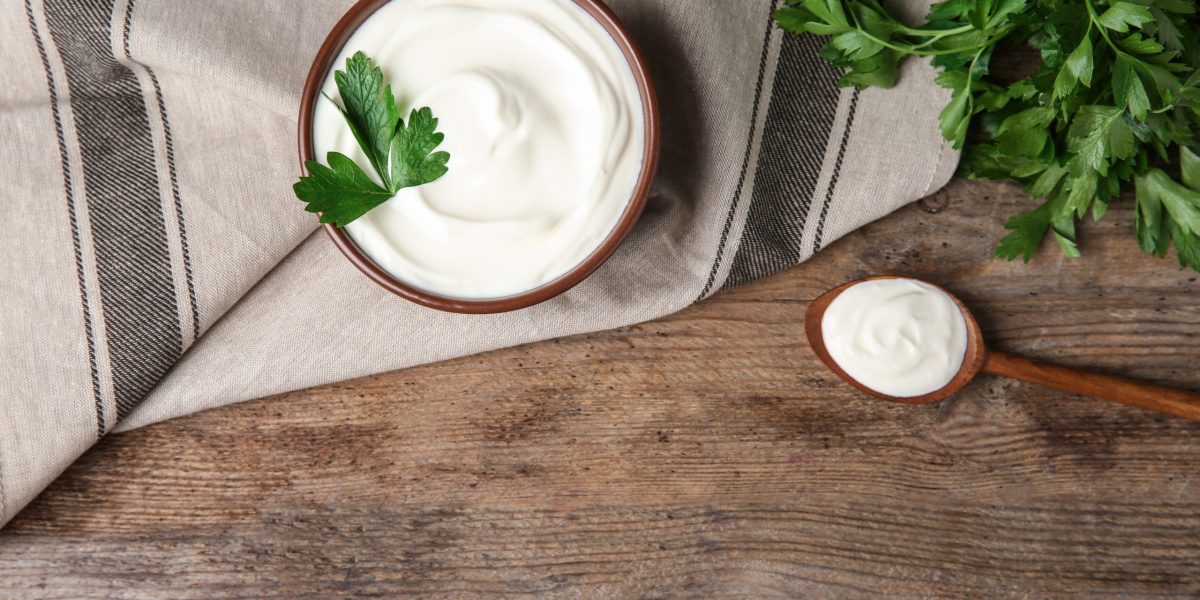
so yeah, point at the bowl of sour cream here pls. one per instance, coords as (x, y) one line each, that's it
(551, 122)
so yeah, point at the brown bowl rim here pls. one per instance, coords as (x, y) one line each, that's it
(317, 74)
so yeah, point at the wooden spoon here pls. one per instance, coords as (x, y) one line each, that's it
(1170, 401)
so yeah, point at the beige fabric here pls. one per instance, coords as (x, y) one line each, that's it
(278, 309)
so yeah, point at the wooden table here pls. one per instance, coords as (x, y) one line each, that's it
(704, 455)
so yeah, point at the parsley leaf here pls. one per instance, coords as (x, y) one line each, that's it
(1168, 211)
(1076, 70)
(1122, 15)
(1097, 133)
(1128, 89)
(401, 155)
(414, 161)
(1028, 230)
(371, 110)
(341, 192)
(1181, 202)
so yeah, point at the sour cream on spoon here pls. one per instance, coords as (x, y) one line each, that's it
(544, 126)
(900, 337)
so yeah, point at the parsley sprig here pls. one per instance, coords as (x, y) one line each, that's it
(402, 155)
(1115, 102)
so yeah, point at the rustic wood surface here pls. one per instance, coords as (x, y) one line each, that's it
(704, 455)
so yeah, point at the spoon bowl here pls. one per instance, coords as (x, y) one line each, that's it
(976, 352)
(979, 359)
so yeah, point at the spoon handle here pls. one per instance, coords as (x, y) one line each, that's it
(1166, 400)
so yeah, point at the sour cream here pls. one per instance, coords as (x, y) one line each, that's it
(899, 337)
(545, 130)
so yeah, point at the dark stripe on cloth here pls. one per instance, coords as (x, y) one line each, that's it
(124, 208)
(837, 172)
(74, 220)
(737, 192)
(170, 151)
(800, 117)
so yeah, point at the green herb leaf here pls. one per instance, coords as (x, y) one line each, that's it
(1080, 195)
(880, 70)
(1088, 137)
(1122, 15)
(956, 116)
(1136, 44)
(1028, 231)
(414, 161)
(1182, 203)
(1187, 247)
(341, 192)
(1047, 182)
(1148, 220)
(1026, 133)
(1189, 167)
(1064, 233)
(1078, 68)
(1169, 212)
(1004, 9)
(370, 109)
(829, 11)
(1167, 32)
(798, 20)
(1128, 89)
(856, 45)
(401, 155)
(1166, 83)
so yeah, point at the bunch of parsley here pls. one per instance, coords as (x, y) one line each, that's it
(1115, 103)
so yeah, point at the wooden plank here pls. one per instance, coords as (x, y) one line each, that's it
(706, 454)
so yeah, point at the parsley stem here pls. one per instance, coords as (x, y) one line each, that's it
(936, 33)
(971, 82)
(876, 6)
(916, 49)
(934, 39)
(1094, 20)
(933, 34)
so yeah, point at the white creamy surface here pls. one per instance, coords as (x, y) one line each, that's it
(899, 337)
(544, 127)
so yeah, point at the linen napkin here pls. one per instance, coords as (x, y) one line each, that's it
(155, 262)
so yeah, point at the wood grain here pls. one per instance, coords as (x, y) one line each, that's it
(704, 455)
(1184, 404)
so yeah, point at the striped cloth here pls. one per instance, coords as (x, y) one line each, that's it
(155, 262)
